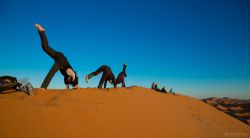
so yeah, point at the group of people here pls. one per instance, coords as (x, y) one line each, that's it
(108, 76)
(154, 86)
(70, 77)
(62, 64)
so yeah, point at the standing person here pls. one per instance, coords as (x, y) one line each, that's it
(61, 63)
(121, 76)
(106, 76)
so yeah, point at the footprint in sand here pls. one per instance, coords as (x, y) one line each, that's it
(53, 101)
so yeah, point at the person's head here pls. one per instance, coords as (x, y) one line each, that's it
(72, 78)
(74, 82)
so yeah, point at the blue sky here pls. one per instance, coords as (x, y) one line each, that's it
(200, 48)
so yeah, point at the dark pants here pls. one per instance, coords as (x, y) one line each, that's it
(124, 69)
(121, 76)
(106, 73)
(60, 59)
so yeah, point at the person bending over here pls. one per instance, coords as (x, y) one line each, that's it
(107, 76)
(61, 63)
(121, 76)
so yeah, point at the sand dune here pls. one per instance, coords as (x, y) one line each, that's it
(237, 108)
(124, 112)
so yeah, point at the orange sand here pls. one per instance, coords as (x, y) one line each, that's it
(124, 112)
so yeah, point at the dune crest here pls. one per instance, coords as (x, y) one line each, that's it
(122, 112)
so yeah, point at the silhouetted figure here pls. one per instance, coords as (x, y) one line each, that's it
(121, 76)
(155, 86)
(164, 90)
(171, 91)
(106, 76)
(61, 63)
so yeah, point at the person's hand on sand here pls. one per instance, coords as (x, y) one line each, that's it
(78, 87)
(31, 93)
(67, 87)
(39, 27)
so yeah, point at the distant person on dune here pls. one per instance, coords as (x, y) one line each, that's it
(121, 76)
(154, 86)
(107, 76)
(171, 91)
(164, 90)
(61, 63)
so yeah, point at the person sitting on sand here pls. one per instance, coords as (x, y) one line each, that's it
(171, 91)
(61, 63)
(106, 76)
(154, 86)
(164, 90)
(121, 76)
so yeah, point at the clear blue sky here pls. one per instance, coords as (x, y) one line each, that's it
(200, 48)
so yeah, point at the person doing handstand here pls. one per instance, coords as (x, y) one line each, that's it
(61, 63)
(121, 76)
(107, 76)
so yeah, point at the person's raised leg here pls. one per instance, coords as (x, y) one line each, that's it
(124, 69)
(95, 73)
(45, 45)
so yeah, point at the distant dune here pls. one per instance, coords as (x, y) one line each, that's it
(133, 112)
(237, 108)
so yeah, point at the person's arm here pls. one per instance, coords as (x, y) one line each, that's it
(67, 86)
(124, 69)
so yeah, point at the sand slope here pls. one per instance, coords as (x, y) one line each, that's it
(124, 112)
(237, 108)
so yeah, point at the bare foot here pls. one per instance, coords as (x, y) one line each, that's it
(42, 89)
(39, 27)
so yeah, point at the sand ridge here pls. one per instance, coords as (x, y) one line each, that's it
(121, 112)
(237, 108)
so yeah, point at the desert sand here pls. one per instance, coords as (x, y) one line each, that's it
(133, 112)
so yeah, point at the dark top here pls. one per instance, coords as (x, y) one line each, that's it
(107, 75)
